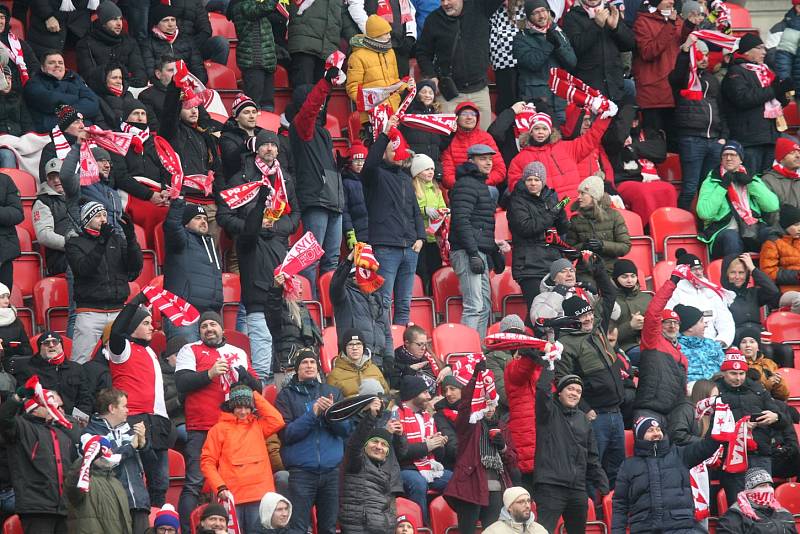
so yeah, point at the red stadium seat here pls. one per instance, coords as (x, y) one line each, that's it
(220, 77)
(442, 517)
(501, 231)
(324, 294)
(24, 314)
(662, 271)
(159, 342)
(270, 393)
(670, 169)
(281, 78)
(314, 307)
(629, 443)
(447, 294)
(149, 264)
(177, 476)
(791, 377)
(451, 338)
(27, 184)
(231, 295)
(354, 127)
(740, 18)
(333, 125)
(411, 510)
(158, 242)
(722, 503)
(269, 121)
(194, 519)
(50, 303)
(340, 106)
(607, 503)
(507, 295)
(221, 26)
(785, 328)
(329, 349)
(237, 339)
(12, 525)
(422, 313)
(788, 495)
(28, 267)
(19, 28)
(673, 228)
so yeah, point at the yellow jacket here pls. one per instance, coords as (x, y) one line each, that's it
(368, 68)
(346, 376)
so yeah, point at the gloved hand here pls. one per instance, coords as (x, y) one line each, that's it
(139, 299)
(552, 37)
(480, 366)
(127, 226)
(331, 74)
(499, 441)
(407, 45)
(476, 265)
(432, 213)
(727, 179)
(351, 239)
(595, 245)
(250, 144)
(499, 262)
(25, 393)
(106, 230)
(559, 322)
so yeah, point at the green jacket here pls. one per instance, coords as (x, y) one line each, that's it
(256, 48)
(431, 198)
(316, 32)
(714, 208)
(605, 224)
(630, 302)
(103, 510)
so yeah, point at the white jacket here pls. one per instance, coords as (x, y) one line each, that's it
(505, 525)
(719, 321)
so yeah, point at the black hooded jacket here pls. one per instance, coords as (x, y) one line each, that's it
(31, 61)
(101, 47)
(472, 211)
(745, 308)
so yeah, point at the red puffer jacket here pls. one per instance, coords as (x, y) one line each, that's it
(560, 159)
(456, 154)
(657, 45)
(521, 375)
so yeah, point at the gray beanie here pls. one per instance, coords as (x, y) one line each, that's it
(690, 7)
(512, 322)
(756, 476)
(108, 10)
(370, 386)
(101, 154)
(535, 168)
(558, 266)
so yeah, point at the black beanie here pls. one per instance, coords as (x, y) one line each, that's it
(748, 42)
(381, 433)
(685, 258)
(349, 335)
(129, 105)
(689, 316)
(190, 211)
(174, 345)
(748, 331)
(140, 315)
(575, 307)
(212, 509)
(531, 5)
(789, 215)
(210, 316)
(411, 386)
(159, 12)
(567, 380)
(623, 266)
(66, 115)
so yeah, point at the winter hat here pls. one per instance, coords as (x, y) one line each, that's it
(480, 150)
(269, 502)
(535, 168)
(190, 211)
(167, 517)
(129, 105)
(783, 146)
(468, 105)
(370, 386)
(669, 315)
(566, 380)
(407, 518)
(421, 162)
(684, 258)
(66, 115)
(303, 354)
(559, 265)
(108, 10)
(623, 266)
(266, 136)
(351, 334)
(89, 210)
(642, 424)
(512, 494)
(377, 26)
(101, 154)
(4, 290)
(159, 12)
(575, 307)
(543, 119)
(512, 323)
(380, 433)
(213, 509)
(748, 331)
(756, 476)
(47, 336)
(594, 187)
(426, 83)
(748, 42)
(702, 47)
(139, 315)
(210, 316)
(734, 361)
(358, 150)
(411, 386)
(240, 102)
(241, 395)
(688, 316)
(789, 215)
(690, 7)
(532, 5)
(736, 146)
(450, 380)
(54, 165)
(174, 345)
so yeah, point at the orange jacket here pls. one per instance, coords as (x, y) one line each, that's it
(235, 453)
(780, 260)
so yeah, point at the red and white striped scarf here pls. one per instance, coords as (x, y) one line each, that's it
(116, 91)
(228, 379)
(140, 136)
(44, 398)
(172, 163)
(772, 108)
(764, 497)
(694, 90)
(233, 520)
(436, 123)
(443, 240)
(551, 351)
(366, 266)
(417, 427)
(170, 38)
(60, 142)
(741, 203)
(484, 395)
(277, 202)
(94, 446)
(685, 272)
(116, 142)
(176, 309)
(575, 91)
(700, 484)
(783, 171)
(385, 11)
(435, 224)
(17, 56)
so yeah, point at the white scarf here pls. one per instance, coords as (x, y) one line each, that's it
(67, 5)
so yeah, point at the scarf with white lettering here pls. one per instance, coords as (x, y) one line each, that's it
(764, 497)
(772, 108)
(116, 142)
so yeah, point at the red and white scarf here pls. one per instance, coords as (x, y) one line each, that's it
(720, 15)
(436, 123)
(116, 91)
(443, 240)
(783, 171)
(170, 38)
(369, 97)
(140, 136)
(379, 115)
(233, 520)
(94, 446)
(366, 266)
(277, 202)
(417, 427)
(385, 11)
(435, 224)
(336, 59)
(17, 56)
(741, 204)
(228, 379)
(116, 142)
(303, 254)
(685, 272)
(575, 91)
(60, 142)
(764, 497)
(175, 308)
(700, 484)
(694, 90)
(172, 163)
(194, 91)
(551, 351)
(484, 395)
(44, 398)
(57, 359)
(772, 108)
(524, 120)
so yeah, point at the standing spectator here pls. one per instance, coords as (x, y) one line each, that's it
(55, 25)
(165, 38)
(433, 208)
(780, 258)
(473, 248)
(538, 48)
(755, 508)
(240, 127)
(453, 51)
(746, 306)
(703, 355)
(633, 305)
(396, 231)
(314, 32)
(734, 204)
(699, 124)
(54, 85)
(13, 338)
(748, 340)
(103, 191)
(505, 26)
(597, 227)
(534, 216)
(102, 262)
(160, 74)
(752, 99)
(275, 512)
(247, 420)
(255, 51)
(780, 178)
(50, 219)
(470, 133)
(107, 42)
(403, 28)
(10, 216)
(193, 19)
(353, 365)
(516, 515)
(498, 360)
(566, 453)
(312, 448)
(355, 219)
(199, 372)
(421, 141)
(23, 61)
(598, 35)
(318, 183)
(38, 448)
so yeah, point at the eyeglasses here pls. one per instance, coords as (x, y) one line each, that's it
(730, 155)
(50, 342)
(420, 344)
(354, 344)
(166, 530)
(468, 114)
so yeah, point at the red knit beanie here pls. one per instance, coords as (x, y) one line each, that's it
(784, 145)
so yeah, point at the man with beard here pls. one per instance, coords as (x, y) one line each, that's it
(516, 515)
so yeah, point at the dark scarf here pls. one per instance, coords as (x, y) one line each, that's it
(377, 46)
(490, 457)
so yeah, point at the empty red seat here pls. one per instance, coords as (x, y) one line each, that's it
(28, 267)
(221, 26)
(329, 349)
(220, 76)
(50, 303)
(788, 495)
(149, 262)
(231, 295)
(26, 183)
(24, 314)
(507, 295)
(324, 294)
(269, 121)
(501, 231)
(447, 294)
(452, 338)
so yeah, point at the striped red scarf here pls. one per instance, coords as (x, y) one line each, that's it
(783, 171)
(417, 427)
(170, 38)
(17, 56)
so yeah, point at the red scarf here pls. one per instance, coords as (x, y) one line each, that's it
(783, 171)
(385, 11)
(551, 351)
(116, 142)
(139, 136)
(443, 240)
(303, 253)
(194, 91)
(694, 90)
(114, 90)
(417, 427)
(57, 360)
(172, 163)
(436, 123)
(764, 497)
(648, 168)
(170, 38)
(176, 309)
(44, 398)
(484, 396)
(278, 201)
(741, 205)
(366, 266)
(685, 272)
(17, 56)
(575, 91)
(772, 108)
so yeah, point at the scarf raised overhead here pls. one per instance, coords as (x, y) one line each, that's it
(694, 90)
(575, 91)
(175, 308)
(484, 395)
(116, 142)
(302, 254)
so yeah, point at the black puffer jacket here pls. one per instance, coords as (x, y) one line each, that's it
(16, 346)
(529, 216)
(181, 48)
(232, 147)
(769, 521)
(420, 141)
(662, 382)
(652, 493)
(472, 212)
(14, 116)
(743, 101)
(192, 19)
(68, 379)
(192, 267)
(10, 216)
(746, 307)
(682, 427)
(697, 118)
(288, 337)
(101, 47)
(147, 164)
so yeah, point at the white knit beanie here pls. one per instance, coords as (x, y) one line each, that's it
(421, 162)
(512, 494)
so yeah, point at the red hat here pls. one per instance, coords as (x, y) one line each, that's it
(467, 105)
(357, 150)
(734, 361)
(406, 519)
(669, 315)
(542, 118)
(796, 2)
(783, 146)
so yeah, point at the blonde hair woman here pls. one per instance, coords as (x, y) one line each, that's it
(430, 200)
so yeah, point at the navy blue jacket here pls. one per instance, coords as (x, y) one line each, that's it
(309, 442)
(43, 93)
(354, 216)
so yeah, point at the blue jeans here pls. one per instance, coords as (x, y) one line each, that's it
(397, 267)
(758, 158)
(309, 488)
(157, 472)
(698, 156)
(475, 290)
(730, 242)
(136, 13)
(71, 311)
(249, 520)
(216, 49)
(326, 225)
(260, 345)
(7, 503)
(191, 332)
(7, 159)
(241, 319)
(181, 436)
(609, 433)
(193, 484)
(416, 488)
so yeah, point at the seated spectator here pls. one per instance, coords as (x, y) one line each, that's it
(712, 303)
(166, 521)
(107, 41)
(756, 507)
(11, 214)
(111, 87)
(14, 116)
(247, 420)
(405, 525)
(275, 511)
(422, 141)
(54, 85)
(467, 134)
(779, 259)
(781, 178)
(597, 227)
(734, 205)
(71, 127)
(174, 403)
(13, 338)
(433, 208)
(240, 127)
(23, 61)
(498, 360)
(534, 217)
(372, 62)
(745, 308)
(353, 365)
(506, 22)
(683, 424)
(445, 417)
(658, 468)
(213, 519)
(420, 464)
(355, 219)
(415, 358)
(540, 46)
(761, 368)
(516, 514)
(52, 26)
(165, 38)
(633, 305)
(703, 355)
(256, 54)
(50, 219)
(160, 75)
(56, 372)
